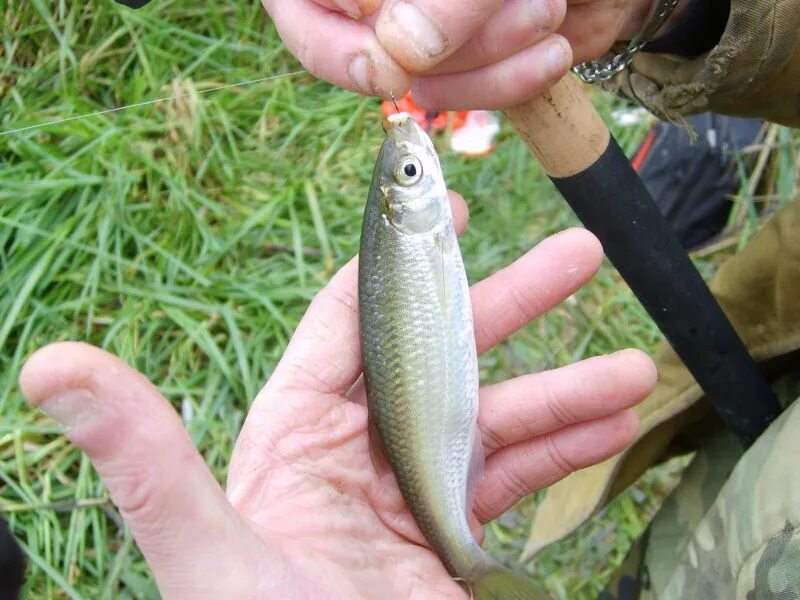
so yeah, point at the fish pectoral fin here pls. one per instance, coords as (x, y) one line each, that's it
(376, 452)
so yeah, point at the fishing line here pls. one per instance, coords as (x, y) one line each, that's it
(148, 102)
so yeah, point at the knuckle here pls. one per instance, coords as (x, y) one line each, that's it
(523, 301)
(512, 480)
(491, 438)
(558, 408)
(557, 458)
(134, 492)
(140, 488)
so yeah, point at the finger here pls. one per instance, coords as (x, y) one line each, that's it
(520, 470)
(532, 405)
(517, 25)
(541, 279)
(500, 85)
(324, 354)
(593, 27)
(338, 49)
(460, 211)
(422, 33)
(352, 8)
(177, 512)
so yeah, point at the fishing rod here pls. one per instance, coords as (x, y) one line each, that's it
(564, 131)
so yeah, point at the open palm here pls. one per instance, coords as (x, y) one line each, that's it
(307, 514)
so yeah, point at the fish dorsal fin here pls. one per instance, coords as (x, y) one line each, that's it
(376, 452)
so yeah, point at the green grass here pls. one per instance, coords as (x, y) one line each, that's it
(188, 236)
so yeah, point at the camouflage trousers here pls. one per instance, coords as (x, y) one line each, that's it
(730, 530)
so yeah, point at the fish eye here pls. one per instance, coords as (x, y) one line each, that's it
(409, 171)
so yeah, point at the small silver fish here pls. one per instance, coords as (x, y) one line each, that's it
(420, 362)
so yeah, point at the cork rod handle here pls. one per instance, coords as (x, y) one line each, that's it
(562, 128)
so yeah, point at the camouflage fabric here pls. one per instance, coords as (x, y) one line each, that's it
(759, 289)
(730, 529)
(682, 512)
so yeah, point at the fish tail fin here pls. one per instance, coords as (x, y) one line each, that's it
(498, 583)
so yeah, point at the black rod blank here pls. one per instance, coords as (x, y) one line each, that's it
(613, 203)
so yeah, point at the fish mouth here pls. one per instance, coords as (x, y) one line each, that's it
(407, 135)
(403, 129)
(399, 119)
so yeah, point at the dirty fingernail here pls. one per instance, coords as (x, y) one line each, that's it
(421, 33)
(71, 408)
(359, 70)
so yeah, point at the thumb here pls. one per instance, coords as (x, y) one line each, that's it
(177, 512)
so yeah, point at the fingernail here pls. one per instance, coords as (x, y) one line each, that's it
(359, 70)
(422, 34)
(558, 57)
(387, 79)
(350, 7)
(72, 408)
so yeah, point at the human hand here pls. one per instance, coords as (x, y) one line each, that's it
(306, 514)
(488, 54)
